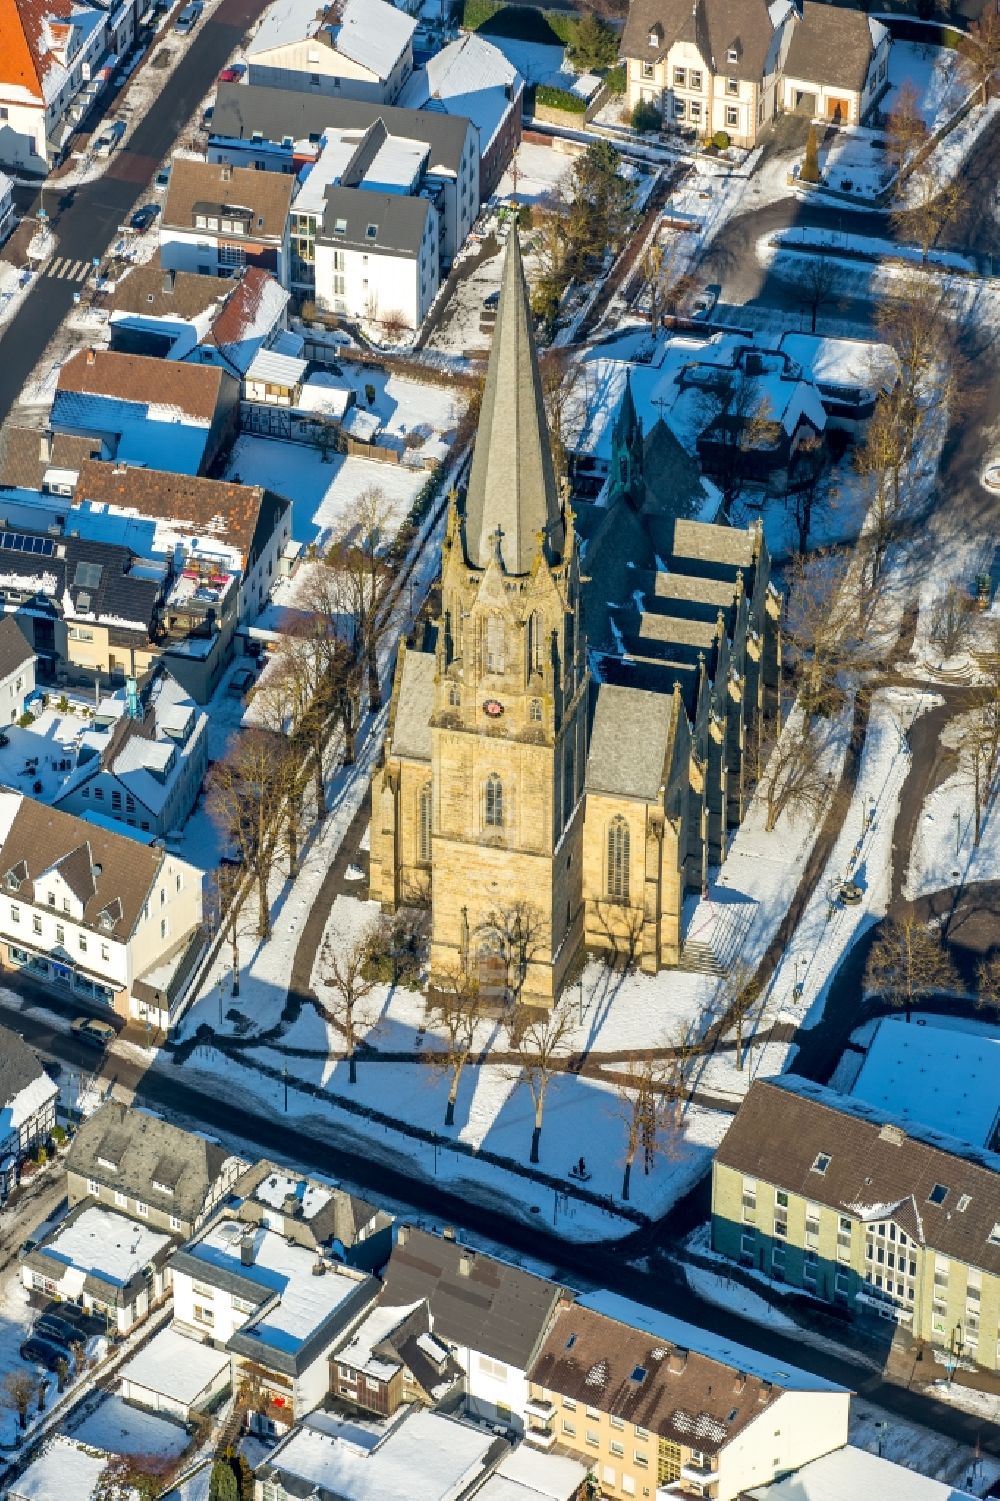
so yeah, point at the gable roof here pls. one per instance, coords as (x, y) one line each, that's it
(192, 390)
(158, 293)
(714, 26)
(832, 46)
(372, 34)
(257, 302)
(27, 455)
(15, 649)
(21, 57)
(106, 868)
(512, 484)
(151, 1159)
(475, 1300)
(20, 1067)
(267, 194)
(413, 706)
(235, 513)
(878, 1169)
(467, 77)
(399, 221)
(629, 741)
(848, 1473)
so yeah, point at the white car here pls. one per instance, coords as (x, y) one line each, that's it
(991, 477)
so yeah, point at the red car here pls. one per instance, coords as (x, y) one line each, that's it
(233, 74)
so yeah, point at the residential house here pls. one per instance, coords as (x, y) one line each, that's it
(851, 1472)
(17, 669)
(393, 1359)
(529, 1474)
(420, 1454)
(8, 212)
(176, 1375)
(112, 1266)
(45, 462)
(218, 219)
(93, 912)
(27, 1106)
(355, 49)
(159, 413)
(377, 256)
(277, 1306)
(179, 315)
(710, 65)
(491, 1315)
(470, 78)
(836, 1197)
(148, 1169)
(849, 375)
(53, 64)
(837, 67)
(651, 1404)
(316, 1212)
(143, 762)
(217, 546)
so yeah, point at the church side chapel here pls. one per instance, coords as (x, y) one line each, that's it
(566, 744)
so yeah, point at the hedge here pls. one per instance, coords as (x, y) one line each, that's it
(553, 98)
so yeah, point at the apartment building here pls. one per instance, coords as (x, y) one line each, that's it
(316, 1212)
(218, 219)
(93, 912)
(148, 1169)
(832, 1196)
(355, 49)
(653, 1405)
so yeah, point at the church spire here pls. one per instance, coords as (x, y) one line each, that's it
(512, 486)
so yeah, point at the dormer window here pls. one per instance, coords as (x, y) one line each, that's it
(371, 232)
(655, 35)
(822, 1162)
(733, 55)
(12, 881)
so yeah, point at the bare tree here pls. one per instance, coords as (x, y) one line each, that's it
(981, 731)
(248, 793)
(951, 619)
(818, 282)
(828, 627)
(665, 278)
(558, 371)
(979, 52)
(515, 933)
(739, 993)
(649, 1102)
(541, 1046)
(935, 200)
(736, 419)
(988, 984)
(346, 972)
(810, 492)
(905, 128)
(135, 1477)
(20, 1389)
(793, 780)
(359, 555)
(454, 1011)
(907, 962)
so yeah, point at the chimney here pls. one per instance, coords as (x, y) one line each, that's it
(893, 1134)
(91, 357)
(739, 1383)
(401, 1235)
(168, 283)
(466, 1262)
(678, 1361)
(227, 172)
(247, 1248)
(448, 1233)
(45, 448)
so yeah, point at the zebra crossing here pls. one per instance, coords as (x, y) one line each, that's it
(62, 268)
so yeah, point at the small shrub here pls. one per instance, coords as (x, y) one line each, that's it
(645, 117)
(63, 704)
(553, 98)
(58, 1135)
(41, 1156)
(26, 719)
(370, 394)
(525, 218)
(809, 171)
(476, 13)
(721, 140)
(615, 80)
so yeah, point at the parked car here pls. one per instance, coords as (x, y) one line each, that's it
(188, 18)
(491, 302)
(43, 1352)
(145, 216)
(90, 1029)
(161, 179)
(57, 1331)
(233, 73)
(109, 138)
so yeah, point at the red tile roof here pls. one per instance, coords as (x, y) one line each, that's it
(192, 389)
(21, 27)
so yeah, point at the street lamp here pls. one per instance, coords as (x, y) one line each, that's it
(579, 986)
(284, 1075)
(958, 832)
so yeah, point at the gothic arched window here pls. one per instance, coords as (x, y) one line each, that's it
(618, 856)
(454, 696)
(535, 630)
(496, 644)
(494, 802)
(424, 825)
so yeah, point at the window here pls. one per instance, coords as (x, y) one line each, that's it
(696, 109)
(618, 859)
(781, 1198)
(680, 108)
(15, 914)
(52, 899)
(616, 1449)
(455, 696)
(494, 802)
(732, 86)
(93, 1187)
(204, 1315)
(963, 1203)
(938, 1194)
(695, 78)
(163, 927)
(616, 1422)
(535, 633)
(994, 1235)
(141, 1209)
(680, 77)
(105, 951)
(569, 1428)
(175, 1222)
(732, 116)
(780, 1227)
(36, 924)
(371, 232)
(642, 1460)
(648, 70)
(535, 711)
(628, 1485)
(424, 825)
(733, 55)
(822, 1163)
(496, 644)
(593, 1438)
(121, 1199)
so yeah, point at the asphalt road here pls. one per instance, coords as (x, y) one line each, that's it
(663, 1287)
(88, 226)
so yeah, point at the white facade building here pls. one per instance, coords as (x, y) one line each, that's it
(378, 256)
(359, 49)
(111, 1265)
(17, 670)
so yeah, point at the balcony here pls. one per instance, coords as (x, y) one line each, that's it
(540, 1407)
(698, 1474)
(541, 1438)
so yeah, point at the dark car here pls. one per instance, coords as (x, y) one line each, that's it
(145, 216)
(57, 1331)
(43, 1352)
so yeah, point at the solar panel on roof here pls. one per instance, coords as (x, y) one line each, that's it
(26, 542)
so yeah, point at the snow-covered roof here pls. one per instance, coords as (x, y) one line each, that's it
(728, 1352)
(279, 1187)
(100, 1243)
(425, 1454)
(276, 369)
(843, 363)
(174, 1366)
(325, 394)
(527, 1473)
(469, 77)
(937, 1076)
(851, 1472)
(26, 1103)
(65, 1469)
(371, 33)
(372, 1331)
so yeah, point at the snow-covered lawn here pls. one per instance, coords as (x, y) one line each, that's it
(837, 242)
(935, 76)
(120, 1428)
(324, 495)
(944, 850)
(879, 1431)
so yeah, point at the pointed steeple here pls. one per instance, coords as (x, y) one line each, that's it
(512, 486)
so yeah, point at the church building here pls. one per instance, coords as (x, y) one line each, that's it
(566, 743)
